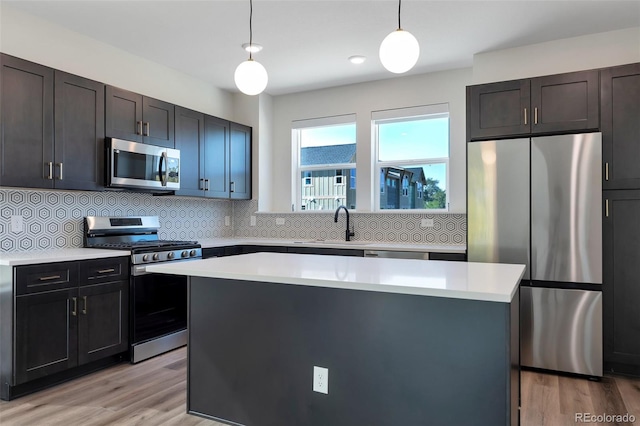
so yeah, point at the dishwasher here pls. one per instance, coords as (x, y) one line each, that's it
(392, 254)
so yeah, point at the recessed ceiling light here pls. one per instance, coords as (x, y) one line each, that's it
(357, 59)
(252, 48)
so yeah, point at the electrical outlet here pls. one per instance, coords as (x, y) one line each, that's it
(253, 221)
(227, 221)
(279, 220)
(426, 223)
(16, 224)
(321, 380)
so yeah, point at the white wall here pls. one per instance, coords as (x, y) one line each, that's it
(362, 99)
(558, 56)
(37, 40)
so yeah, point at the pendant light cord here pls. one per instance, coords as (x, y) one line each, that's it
(399, 6)
(250, 28)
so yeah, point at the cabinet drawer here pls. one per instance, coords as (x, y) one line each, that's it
(104, 270)
(45, 277)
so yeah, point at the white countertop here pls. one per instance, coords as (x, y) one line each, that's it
(461, 280)
(358, 245)
(57, 255)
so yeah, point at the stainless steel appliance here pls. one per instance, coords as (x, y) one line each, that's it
(158, 302)
(140, 166)
(538, 201)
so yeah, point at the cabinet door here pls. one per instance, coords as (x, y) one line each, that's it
(621, 292)
(158, 122)
(498, 110)
(26, 115)
(46, 334)
(79, 132)
(123, 114)
(620, 109)
(565, 102)
(240, 162)
(216, 157)
(190, 142)
(103, 320)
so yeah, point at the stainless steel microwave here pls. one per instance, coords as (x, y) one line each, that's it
(140, 166)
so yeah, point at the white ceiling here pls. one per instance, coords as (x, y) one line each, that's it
(307, 43)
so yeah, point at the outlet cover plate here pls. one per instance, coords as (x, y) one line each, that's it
(279, 220)
(426, 223)
(321, 380)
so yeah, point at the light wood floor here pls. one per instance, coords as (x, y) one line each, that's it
(153, 393)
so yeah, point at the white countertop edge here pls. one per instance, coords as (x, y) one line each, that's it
(182, 268)
(58, 255)
(355, 245)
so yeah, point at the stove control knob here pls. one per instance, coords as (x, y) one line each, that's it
(145, 257)
(192, 253)
(156, 256)
(170, 255)
(185, 253)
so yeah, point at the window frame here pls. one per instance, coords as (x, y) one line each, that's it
(404, 115)
(298, 205)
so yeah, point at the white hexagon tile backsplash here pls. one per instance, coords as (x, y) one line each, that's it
(54, 219)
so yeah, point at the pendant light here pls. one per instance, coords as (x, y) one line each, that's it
(250, 76)
(399, 51)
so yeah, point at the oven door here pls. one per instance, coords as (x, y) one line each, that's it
(158, 314)
(141, 166)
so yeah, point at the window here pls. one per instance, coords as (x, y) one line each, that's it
(412, 157)
(324, 158)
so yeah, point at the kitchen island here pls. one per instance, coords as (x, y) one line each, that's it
(405, 342)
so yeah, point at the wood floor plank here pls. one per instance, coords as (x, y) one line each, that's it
(574, 396)
(630, 393)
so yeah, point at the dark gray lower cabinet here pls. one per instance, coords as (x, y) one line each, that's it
(46, 334)
(620, 291)
(67, 315)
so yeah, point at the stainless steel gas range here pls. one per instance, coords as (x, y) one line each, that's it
(158, 303)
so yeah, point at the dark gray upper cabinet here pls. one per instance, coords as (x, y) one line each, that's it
(216, 155)
(190, 142)
(26, 114)
(133, 117)
(34, 98)
(79, 132)
(565, 102)
(559, 103)
(621, 292)
(240, 162)
(620, 114)
(227, 153)
(498, 109)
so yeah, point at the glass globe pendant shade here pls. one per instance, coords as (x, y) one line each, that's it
(399, 51)
(251, 77)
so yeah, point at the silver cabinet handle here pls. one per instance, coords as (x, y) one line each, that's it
(147, 128)
(49, 278)
(74, 312)
(201, 184)
(106, 271)
(50, 165)
(206, 184)
(232, 187)
(535, 115)
(60, 175)
(84, 308)
(606, 207)
(525, 116)
(138, 127)
(606, 171)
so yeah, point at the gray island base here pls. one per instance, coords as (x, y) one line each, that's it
(392, 358)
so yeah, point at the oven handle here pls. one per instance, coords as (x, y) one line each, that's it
(163, 173)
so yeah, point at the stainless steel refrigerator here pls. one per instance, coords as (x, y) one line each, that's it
(538, 201)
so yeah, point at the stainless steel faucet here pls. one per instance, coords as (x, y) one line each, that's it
(348, 234)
